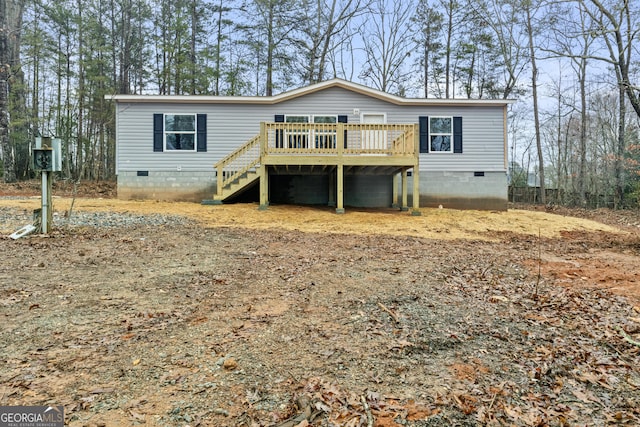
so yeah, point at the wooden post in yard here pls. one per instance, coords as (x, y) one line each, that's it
(405, 191)
(340, 169)
(340, 184)
(264, 188)
(416, 172)
(394, 204)
(332, 190)
(262, 170)
(416, 192)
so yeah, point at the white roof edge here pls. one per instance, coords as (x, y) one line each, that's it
(355, 87)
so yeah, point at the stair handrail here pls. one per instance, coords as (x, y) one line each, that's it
(403, 143)
(238, 163)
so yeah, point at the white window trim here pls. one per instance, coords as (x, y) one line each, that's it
(310, 135)
(310, 117)
(297, 115)
(450, 151)
(195, 132)
(313, 117)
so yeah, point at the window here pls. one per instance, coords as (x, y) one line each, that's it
(321, 138)
(440, 134)
(179, 132)
(325, 119)
(325, 138)
(296, 119)
(297, 138)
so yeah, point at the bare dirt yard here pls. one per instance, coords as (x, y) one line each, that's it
(177, 314)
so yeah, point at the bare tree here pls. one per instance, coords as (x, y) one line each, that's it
(450, 8)
(617, 27)
(273, 22)
(387, 46)
(534, 91)
(326, 26)
(502, 17)
(428, 21)
(573, 38)
(581, 70)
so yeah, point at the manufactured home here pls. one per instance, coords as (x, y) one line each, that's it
(333, 143)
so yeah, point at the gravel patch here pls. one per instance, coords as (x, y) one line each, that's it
(15, 218)
(110, 219)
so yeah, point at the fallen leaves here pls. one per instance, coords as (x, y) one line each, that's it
(229, 327)
(346, 408)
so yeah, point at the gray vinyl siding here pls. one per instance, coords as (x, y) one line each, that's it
(231, 125)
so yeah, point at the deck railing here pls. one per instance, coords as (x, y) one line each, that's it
(339, 138)
(238, 163)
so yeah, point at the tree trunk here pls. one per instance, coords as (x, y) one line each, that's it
(80, 172)
(536, 114)
(192, 48)
(426, 70)
(218, 73)
(270, 48)
(582, 171)
(125, 55)
(10, 27)
(447, 71)
(618, 195)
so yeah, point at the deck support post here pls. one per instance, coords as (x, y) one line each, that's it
(340, 189)
(340, 146)
(395, 204)
(264, 188)
(332, 189)
(405, 191)
(416, 192)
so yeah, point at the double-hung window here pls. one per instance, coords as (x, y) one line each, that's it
(180, 132)
(440, 134)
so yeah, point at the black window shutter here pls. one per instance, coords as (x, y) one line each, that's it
(201, 129)
(158, 132)
(457, 134)
(279, 118)
(423, 122)
(344, 119)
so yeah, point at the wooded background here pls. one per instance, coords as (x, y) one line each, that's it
(573, 66)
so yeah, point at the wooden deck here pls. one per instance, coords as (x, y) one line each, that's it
(383, 149)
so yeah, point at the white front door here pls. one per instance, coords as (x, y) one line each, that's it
(374, 139)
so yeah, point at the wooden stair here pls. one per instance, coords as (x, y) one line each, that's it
(241, 183)
(238, 170)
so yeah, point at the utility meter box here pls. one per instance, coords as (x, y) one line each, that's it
(47, 156)
(43, 159)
